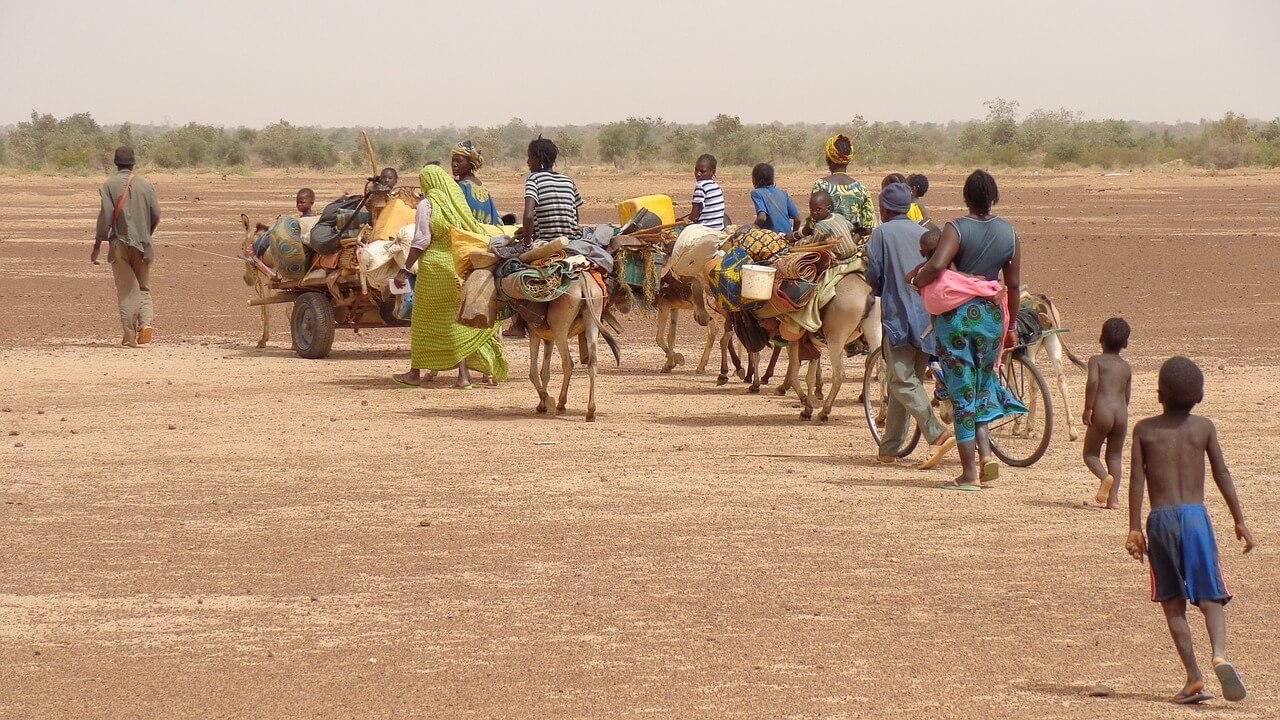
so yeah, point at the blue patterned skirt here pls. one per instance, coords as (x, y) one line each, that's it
(969, 341)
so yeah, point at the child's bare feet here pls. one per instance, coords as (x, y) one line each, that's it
(1192, 693)
(1232, 684)
(1104, 492)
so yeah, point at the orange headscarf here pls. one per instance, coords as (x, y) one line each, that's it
(836, 157)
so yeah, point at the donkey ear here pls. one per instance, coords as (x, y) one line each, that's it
(244, 219)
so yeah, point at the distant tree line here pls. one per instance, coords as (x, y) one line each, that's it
(1041, 138)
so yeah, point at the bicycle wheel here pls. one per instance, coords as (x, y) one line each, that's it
(875, 403)
(1021, 440)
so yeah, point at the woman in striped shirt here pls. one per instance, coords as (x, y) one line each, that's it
(551, 200)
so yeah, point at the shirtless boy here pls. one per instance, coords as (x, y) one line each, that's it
(1168, 455)
(1106, 410)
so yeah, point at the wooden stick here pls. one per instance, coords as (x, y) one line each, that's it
(368, 146)
(272, 300)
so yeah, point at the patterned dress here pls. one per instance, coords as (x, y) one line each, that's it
(480, 202)
(852, 201)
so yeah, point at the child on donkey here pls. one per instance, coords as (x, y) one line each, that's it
(1168, 455)
(1106, 411)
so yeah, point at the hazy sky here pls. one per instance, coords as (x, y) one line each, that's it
(238, 62)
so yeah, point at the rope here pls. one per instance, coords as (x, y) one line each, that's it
(206, 252)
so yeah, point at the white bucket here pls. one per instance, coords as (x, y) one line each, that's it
(757, 282)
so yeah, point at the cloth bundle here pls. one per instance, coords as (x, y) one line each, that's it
(809, 317)
(380, 260)
(694, 245)
(479, 303)
(760, 245)
(285, 241)
(724, 279)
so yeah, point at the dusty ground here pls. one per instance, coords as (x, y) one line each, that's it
(201, 528)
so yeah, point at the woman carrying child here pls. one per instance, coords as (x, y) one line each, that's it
(970, 337)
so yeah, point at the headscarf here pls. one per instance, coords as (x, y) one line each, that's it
(449, 207)
(468, 150)
(836, 157)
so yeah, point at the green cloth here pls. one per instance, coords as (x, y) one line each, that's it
(439, 342)
(138, 218)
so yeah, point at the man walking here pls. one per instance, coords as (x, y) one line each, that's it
(893, 251)
(127, 218)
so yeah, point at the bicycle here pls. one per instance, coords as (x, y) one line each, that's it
(1017, 440)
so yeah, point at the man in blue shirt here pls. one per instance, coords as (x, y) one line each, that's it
(893, 251)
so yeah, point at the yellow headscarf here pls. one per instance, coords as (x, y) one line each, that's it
(836, 157)
(449, 207)
(468, 150)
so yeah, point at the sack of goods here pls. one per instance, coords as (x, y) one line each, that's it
(285, 241)
(380, 260)
(479, 304)
(325, 238)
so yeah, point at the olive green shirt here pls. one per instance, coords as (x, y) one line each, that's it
(138, 218)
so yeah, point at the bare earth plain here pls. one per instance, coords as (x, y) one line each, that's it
(202, 528)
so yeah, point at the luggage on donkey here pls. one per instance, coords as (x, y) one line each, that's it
(479, 306)
(339, 214)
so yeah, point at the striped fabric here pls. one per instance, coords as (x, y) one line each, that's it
(709, 195)
(556, 202)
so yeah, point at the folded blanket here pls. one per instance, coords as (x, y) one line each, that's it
(809, 318)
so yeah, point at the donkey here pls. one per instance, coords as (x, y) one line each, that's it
(576, 313)
(1055, 346)
(842, 317)
(674, 298)
(255, 278)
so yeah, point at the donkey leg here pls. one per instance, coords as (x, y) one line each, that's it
(664, 316)
(773, 363)
(591, 333)
(673, 357)
(726, 347)
(1053, 346)
(793, 380)
(535, 376)
(706, 349)
(566, 369)
(753, 372)
(837, 379)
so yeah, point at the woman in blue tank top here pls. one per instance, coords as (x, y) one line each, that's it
(971, 337)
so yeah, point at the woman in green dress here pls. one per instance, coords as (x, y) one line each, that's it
(439, 342)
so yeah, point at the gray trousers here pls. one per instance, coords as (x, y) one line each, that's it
(907, 397)
(133, 290)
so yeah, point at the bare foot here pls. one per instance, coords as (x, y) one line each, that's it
(1104, 491)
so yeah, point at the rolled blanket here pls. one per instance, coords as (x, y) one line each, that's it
(537, 284)
(285, 241)
(546, 249)
(797, 265)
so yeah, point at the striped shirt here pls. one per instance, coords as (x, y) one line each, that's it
(711, 198)
(556, 202)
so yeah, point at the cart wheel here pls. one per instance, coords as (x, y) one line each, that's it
(312, 325)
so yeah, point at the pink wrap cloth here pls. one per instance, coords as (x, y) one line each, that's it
(952, 289)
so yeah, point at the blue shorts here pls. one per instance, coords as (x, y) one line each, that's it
(1184, 556)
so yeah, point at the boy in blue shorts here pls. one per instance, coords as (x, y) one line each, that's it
(1168, 456)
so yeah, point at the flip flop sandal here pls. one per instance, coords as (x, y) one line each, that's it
(1195, 698)
(990, 471)
(402, 383)
(961, 488)
(1232, 684)
(939, 451)
(463, 387)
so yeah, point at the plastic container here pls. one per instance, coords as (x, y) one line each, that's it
(660, 205)
(757, 282)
